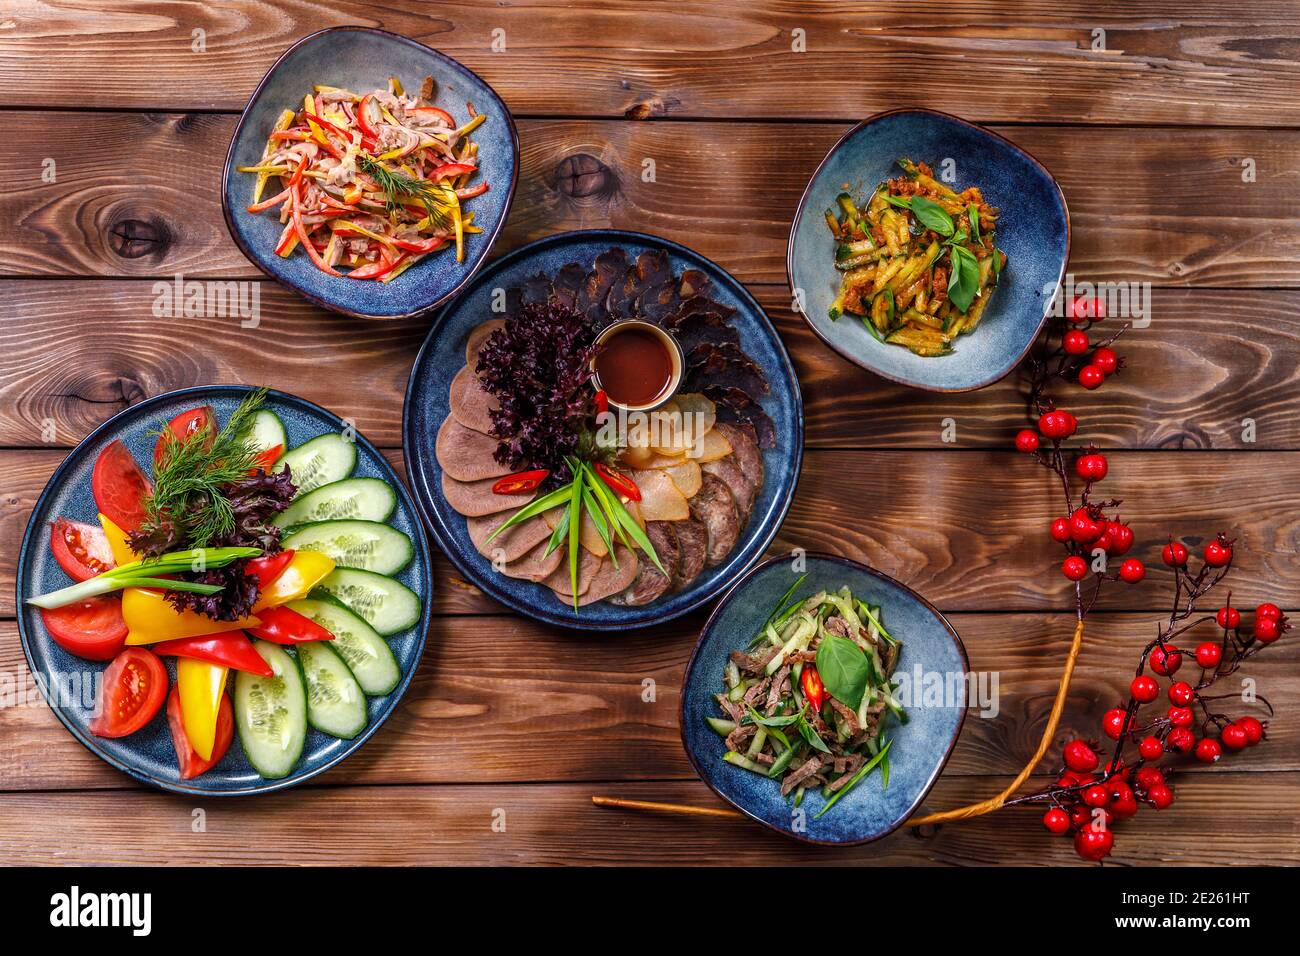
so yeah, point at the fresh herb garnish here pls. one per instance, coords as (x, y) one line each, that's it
(396, 185)
(963, 280)
(973, 214)
(844, 669)
(932, 215)
(856, 779)
(148, 573)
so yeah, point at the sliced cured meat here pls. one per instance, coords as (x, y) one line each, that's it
(470, 404)
(568, 285)
(465, 454)
(474, 499)
(693, 282)
(536, 565)
(735, 405)
(693, 542)
(477, 336)
(610, 580)
(651, 583)
(559, 579)
(511, 544)
(537, 289)
(610, 267)
(726, 365)
(737, 482)
(715, 507)
(742, 470)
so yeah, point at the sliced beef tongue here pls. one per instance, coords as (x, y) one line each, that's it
(650, 583)
(693, 539)
(465, 454)
(474, 499)
(477, 336)
(470, 404)
(536, 564)
(715, 507)
(511, 544)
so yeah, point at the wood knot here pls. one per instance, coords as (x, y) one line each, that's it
(582, 175)
(134, 238)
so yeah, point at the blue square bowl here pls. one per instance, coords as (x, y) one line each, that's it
(358, 58)
(1033, 231)
(920, 748)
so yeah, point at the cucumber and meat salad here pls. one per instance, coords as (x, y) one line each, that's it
(917, 260)
(809, 703)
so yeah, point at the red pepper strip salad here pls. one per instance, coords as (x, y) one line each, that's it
(372, 182)
(226, 559)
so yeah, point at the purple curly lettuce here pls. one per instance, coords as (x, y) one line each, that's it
(538, 366)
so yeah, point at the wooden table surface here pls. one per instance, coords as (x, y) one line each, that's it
(1151, 121)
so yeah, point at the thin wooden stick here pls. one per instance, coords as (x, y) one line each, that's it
(680, 809)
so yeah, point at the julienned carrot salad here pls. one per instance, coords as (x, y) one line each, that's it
(371, 182)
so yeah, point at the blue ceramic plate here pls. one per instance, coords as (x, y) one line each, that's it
(920, 747)
(362, 59)
(443, 355)
(1033, 230)
(148, 755)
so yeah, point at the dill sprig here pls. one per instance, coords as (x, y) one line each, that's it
(432, 196)
(188, 499)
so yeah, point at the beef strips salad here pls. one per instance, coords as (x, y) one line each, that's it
(808, 703)
(237, 556)
(372, 181)
(918, 264)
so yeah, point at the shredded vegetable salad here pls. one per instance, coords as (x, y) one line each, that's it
(372, 182)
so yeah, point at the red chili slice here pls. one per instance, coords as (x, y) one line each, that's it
(621, 483)
(521, 482)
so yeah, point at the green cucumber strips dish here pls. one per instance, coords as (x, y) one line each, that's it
(809, 702)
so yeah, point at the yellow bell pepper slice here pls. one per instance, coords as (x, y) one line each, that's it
(122, 553)
(201, 685)
(150, 619)
(286, 118)
(305, 570)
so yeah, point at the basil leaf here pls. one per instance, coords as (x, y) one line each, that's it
(810, 735)
(973, 214)
(844, 669)
(964, 279)
(902, 202)
(932, 215)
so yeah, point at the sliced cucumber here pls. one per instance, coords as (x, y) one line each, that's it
(386, 605)
(368, 545)
(335, 704)
(271, 713)
(266, 431)
(362, 649)
(324, 459)
(366, 499)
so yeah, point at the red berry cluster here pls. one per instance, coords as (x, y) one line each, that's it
(1087, 798)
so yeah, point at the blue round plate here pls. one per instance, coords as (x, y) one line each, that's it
(1033, 230)
(359, 58)
(443, 355)
(920, 747)
(148, 755)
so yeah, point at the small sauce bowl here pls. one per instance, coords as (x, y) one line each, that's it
(628, 367)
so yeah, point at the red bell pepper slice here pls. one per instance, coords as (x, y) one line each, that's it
(191, 764)
(425, 245)
(621, 483)
(450, 170)
(520, 483)
(229, 648)
(268, 458)
(283, 625)
(373, 270)
(435, 112)
(303, 238)
(363, 116)
(471, 191)
(268, 567)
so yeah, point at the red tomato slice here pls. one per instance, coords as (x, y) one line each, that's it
(268, 567)
(201, 419)
(191, 763)
(120, 487)
(135, 685)
(93, 628)
(81, 549)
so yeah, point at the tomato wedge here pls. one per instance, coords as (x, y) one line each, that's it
(201, 419)
(229, 648)
(82, 550)
(191, 763)
(135, 685)
(119, 486)
(283, 625)
(93, 628)
(268, 567)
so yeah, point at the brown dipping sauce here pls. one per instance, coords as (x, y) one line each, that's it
(634, 366)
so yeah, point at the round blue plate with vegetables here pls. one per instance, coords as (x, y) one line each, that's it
(223, 590)
(823, 699)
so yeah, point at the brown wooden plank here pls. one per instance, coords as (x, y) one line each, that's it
(1162, 63)
(557, 824)
(966, 529)
(576, 711)
(1187, 386)
(718, 188)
